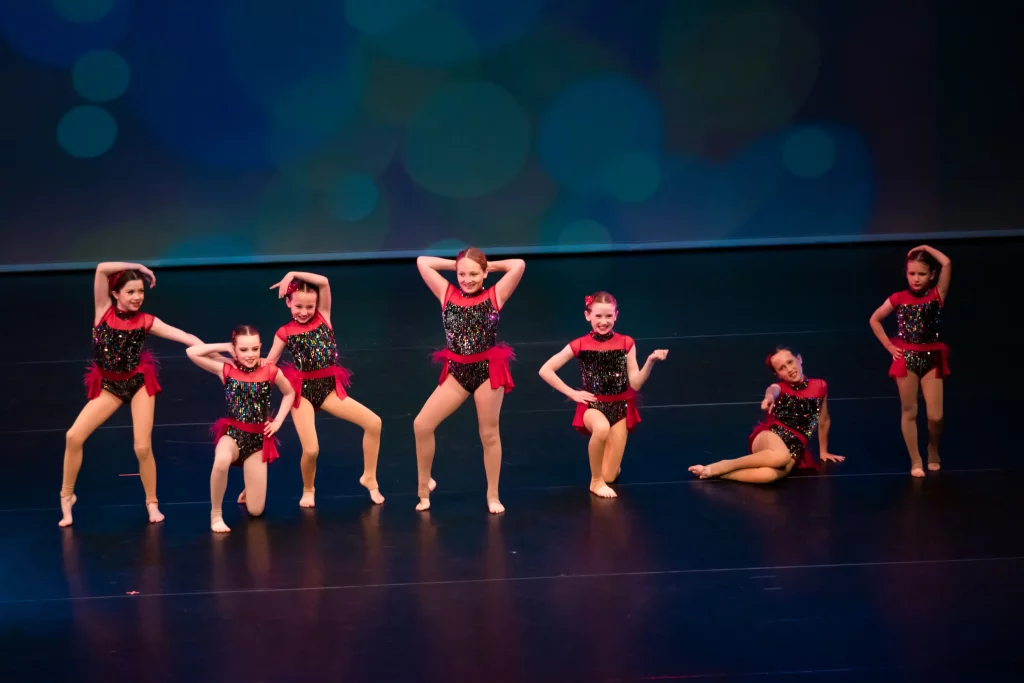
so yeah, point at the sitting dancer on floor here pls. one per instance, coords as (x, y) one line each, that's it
(796, 405)
(606, 406)
(472, 363)
(919, 356)
(319, 380)
(247, 430)
(121, 370)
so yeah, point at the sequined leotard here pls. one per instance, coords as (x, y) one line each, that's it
(794, 417)
(604, 373)
(316, 372)
(247, 394)
(472, 354)
(121, 365)
(918, 320)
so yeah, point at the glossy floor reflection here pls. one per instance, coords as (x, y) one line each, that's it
(857, 574)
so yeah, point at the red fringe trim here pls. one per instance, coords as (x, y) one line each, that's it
(270, 446)
(806, 460)
(632, 413)
(498, 358)
(342, 379)
(94, 376)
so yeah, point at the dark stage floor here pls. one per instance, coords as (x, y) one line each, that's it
(859, 573)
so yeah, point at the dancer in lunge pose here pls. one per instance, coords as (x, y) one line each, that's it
(606, 406)
(920, 359)
(473, 362)
(796, 405)
(122, 372)
(319, 380)
(247, 430)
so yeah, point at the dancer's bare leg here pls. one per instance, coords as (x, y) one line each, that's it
(95, 413)
(769, 452)
(225, 453)
(597, 424)
(931, 387)
(142, 426)
(444, 401)
(304, 418)
(353, 411)
(908, 420)
(614, 449)
(488, 411)
(254, 472)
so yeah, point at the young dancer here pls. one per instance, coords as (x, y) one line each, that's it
(121, 369)
(795, 405)
(606, 406)
(247, 430)
(319, 379)
(473, 362)
(919, 357)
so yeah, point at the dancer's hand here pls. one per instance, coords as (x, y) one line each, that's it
(147, 275)
(658, 354)
(897, 354)
(271, 428)
(582, 397)
(831, 457)
(263, 361)
(282, 286)
(768, 403)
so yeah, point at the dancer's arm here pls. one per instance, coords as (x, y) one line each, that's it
(209, 356)
(323, 285)
(276, 349)
(513, 269)
(549, 373)
(770, 396)
(880, 314)
(824, 424)
(429, 267)
(287, 399)
(101, 282)
(637, 375)
(162, 329)
(947, 269)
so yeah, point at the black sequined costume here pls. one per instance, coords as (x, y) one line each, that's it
(919, 322)
(120, 364)
(314, 350)
(604, 373)
(472, 354)
(247, 395)
(794, 416)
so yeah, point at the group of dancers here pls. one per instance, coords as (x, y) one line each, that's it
(473, 363)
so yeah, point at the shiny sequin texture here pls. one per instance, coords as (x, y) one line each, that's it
(468, 330)
(117, 350)
(922, 362)
(603, 372)
(797, 412)
(247, 402)
(313, 346)
(919, 323)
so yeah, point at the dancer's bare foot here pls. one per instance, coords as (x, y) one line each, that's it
(155, 516)
(241, 497)
(424, 503)
(370, 484)
(602, 490)
(916, 470)
(495, 506)
(66, 503)
(934, 463)
(702, 471)
(308, 499)
(217, 524)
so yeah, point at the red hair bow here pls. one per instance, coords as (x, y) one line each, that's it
(588, 300)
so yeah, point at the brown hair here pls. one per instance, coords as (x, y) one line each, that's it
(474, 255)
(600, 298)
(777, 351)
(922, 256)
(301, 286)
(122, 277)
(242, 331)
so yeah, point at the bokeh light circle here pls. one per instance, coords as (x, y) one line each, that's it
(35, 30)
(593, 125)
(808, 152)
(496, 23)
(467, 140)
(436, 37)
(353, 197)
(634, 177)
(86, 131)
(83, 11)
(378, 17)
(100, 75)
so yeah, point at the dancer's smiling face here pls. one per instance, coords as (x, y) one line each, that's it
(302, 305)
(130, 296)
(247, 349)
(601, 317)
